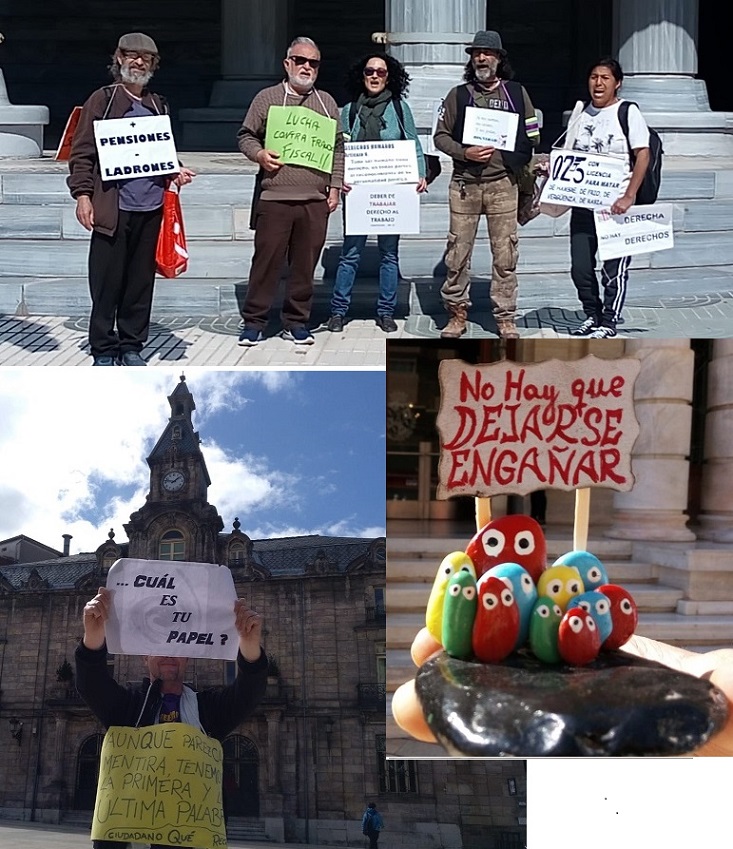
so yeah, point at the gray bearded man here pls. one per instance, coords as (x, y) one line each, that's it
(484, 182)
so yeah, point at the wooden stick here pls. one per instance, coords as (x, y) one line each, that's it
(582, 519)
(483, 512)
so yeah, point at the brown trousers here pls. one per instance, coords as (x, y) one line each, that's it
(498, 202)
(285, 230)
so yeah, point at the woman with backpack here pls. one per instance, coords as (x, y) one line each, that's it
(607, 125)
(376, 85)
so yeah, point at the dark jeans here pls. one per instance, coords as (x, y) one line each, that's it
(121, 279)
(349, 265)
(295, 230)
(373, 838)
(614, 272)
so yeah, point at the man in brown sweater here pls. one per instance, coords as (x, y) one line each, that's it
(291, 213)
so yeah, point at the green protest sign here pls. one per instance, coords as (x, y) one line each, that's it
(301, 136)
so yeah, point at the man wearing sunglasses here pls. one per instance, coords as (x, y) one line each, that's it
(290, 213)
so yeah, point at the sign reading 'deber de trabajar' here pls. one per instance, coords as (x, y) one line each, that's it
(135, 147)
(171, 609)
(513, 427)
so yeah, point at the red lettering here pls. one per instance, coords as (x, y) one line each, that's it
(566, 417)
(556, 467)
(491, 415)
(458, 459)
(586, 465)
(610, 458)
(467, 423)
(475, 390)
(592, 416)
(529, 462)
(478, 468)
(504, 473)
(611, 434)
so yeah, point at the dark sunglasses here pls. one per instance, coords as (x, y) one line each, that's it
(304, 60)
(380, 72)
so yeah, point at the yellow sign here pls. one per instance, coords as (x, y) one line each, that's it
(160, 784)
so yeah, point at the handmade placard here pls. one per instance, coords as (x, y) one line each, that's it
(160, 784)
(135, 147)
(301, 136)
(171, 609)
(640, 230)
(583, 179)
(514, 427)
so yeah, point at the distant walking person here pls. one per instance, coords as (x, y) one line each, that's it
(371, 824)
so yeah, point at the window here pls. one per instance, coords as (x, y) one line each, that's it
(381, 663)
(172, 546)
(395, 776)
(379, 608)
(236, 554)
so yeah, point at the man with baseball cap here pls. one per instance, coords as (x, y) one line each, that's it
(123, 215)
(484, 182)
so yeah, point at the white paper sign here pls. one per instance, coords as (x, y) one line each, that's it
(171, 609)
(438, 109)
(381, 162)
(493, 127)
(578, 178)
(640, 230)
(135, 147)
(374, 209)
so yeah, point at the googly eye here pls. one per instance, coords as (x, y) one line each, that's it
(589, 621)
(455, 590)
(626, 606)
(467, 568)
(574, 586)
(489, 601)
(527, 584)
(447, 570)
(494, 543)
(585, 605)
(507, 598)
(557, 610)
(524, 542)
(554, 587)
(576, 624)
(469, 593)
(602, 607)
(594, 574)
(544, 611)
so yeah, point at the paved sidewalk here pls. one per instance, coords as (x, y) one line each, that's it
(39, 836)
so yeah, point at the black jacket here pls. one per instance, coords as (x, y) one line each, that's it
(221, 709)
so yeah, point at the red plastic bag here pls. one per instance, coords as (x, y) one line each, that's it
(171, 255)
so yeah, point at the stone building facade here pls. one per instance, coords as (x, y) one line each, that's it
(305, 765)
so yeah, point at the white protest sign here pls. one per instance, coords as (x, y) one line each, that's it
(135, 147)
(579, 178)
(171, 609)
(438, 108)
(374, 209)
(493, 127)
(640, 230)
(380, 162)
(513, 427)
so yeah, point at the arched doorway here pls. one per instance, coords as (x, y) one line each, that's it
(241, 777)
(87, 773)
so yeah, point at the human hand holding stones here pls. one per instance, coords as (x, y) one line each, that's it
(96, 613)
(249, 627)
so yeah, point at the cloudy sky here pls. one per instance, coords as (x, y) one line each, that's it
(288, 452)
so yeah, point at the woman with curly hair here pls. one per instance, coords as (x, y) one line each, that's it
(375, 84)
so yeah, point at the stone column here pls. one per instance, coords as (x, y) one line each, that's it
(21, 127)
(655, 508)
(716, 516)
(430, 38)
(656, 43)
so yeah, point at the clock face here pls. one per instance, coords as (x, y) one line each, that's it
(173, 481)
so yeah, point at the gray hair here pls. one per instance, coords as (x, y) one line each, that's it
(302, 39)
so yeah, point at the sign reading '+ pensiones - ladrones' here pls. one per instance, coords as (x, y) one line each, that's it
(135, 147)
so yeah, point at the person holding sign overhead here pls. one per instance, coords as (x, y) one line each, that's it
(489, 128)
(293, 132)
(599, 129)
(216, 711)
(377, 84)
(123, 215)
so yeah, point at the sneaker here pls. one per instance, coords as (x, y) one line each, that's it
(386, 323)
(250, 336)
(603, 332)
(131, 358)
(335, 324)
(104, 361)
(298, 334)
(586, 328)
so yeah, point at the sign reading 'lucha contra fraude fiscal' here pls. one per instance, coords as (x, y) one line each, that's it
(513, 427)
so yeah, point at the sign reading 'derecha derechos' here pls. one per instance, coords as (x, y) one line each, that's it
(160, 784)
(514, 427)
(135, 147)
(171, 609)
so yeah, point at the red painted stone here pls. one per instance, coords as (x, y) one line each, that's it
(624, 615)
(578, 640)
(509, 539)
(496, 626)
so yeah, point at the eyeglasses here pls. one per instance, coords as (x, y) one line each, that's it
(304, 60)
(380, 72)
(132, 55)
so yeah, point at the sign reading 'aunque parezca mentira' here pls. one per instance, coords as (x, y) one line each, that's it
(513, 427)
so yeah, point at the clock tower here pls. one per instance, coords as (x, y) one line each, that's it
(176, 522)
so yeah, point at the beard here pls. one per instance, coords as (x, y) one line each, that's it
(486, 72)
(135, 77)
(301, 82)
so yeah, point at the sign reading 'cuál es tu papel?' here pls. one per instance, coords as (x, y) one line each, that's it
(514, 427)
(171, 609)
(135, 147)
(160, 784)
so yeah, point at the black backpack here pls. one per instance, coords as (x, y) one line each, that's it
(649, 188)
(432, 163)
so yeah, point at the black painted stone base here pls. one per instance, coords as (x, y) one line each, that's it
(618, 705)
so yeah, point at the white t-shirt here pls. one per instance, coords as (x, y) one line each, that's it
(599, 130)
